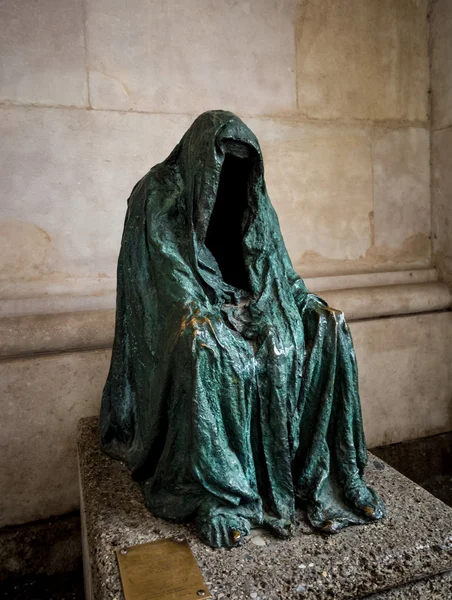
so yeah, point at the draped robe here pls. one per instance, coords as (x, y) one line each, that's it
(233, 392)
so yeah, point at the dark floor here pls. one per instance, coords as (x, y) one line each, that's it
(42, 561)
(66, 586)
(441, 487)
(427, 462)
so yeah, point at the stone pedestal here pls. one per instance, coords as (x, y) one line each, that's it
(406, 556)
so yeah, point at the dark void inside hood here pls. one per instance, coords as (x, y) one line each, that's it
(232, 212)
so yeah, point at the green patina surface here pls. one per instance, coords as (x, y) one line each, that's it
(233, 391)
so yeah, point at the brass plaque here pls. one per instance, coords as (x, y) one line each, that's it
(163, 569)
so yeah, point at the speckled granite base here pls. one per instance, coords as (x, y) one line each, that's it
(413, 543)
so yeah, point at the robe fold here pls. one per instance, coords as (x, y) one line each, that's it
(233, 392)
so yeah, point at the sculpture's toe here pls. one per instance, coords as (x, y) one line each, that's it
(369, 504)
(282, 528)
(223, 530)
(330, 526)
(376, 511)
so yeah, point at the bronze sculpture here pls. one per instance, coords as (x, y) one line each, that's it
(233, 392)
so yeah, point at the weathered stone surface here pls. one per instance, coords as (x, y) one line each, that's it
(362, 59)
(441, 201)
(66, 176)
(24, 246)
(319, 178)
(438, 587)
(401, 185)
(441, 77)
(413, 542)
(42, 50)
(63, 216)
(371, 279)
(43, 398)
(405, 376)
(441, 63)
(98, 286)
(32, 334)
(58, 304)
(192, 56)
(389, 300)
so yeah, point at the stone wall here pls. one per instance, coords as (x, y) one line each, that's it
(93, 93)
(441, 83)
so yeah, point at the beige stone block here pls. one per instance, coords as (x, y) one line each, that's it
(319, 178)
(441, 62)
(442, 201)
(42, 52)
(389, 300)
(401, 184)
(362, 59)
(42, 400)
(55, 305)
(66, 176)
(53, 294)
(63, 332)
(180, 56)
(57, 286)
(372, 279)
(405, 376)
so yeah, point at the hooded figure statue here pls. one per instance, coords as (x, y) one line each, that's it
(233, 392)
